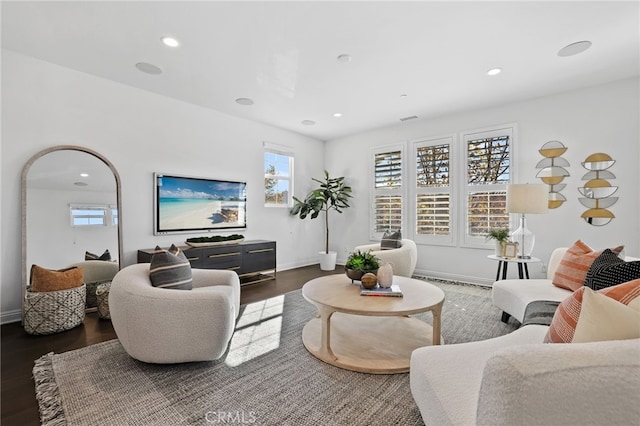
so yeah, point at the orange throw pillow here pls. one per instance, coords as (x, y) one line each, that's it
(43, 279)
(563, 324)
(575, 264)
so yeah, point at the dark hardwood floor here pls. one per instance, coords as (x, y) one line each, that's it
(20, 350)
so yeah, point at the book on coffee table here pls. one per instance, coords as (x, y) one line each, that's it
(393, 291)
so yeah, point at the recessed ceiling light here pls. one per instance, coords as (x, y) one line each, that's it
(337, 114)
(148, 68)
(345, 57)
(494, 71)
(308, 122)
(84, 174)
(574, 48)
(244, 101)
(404, 95)
(81, 184)
(170, 41)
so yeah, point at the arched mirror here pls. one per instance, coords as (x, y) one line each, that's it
(70, 207)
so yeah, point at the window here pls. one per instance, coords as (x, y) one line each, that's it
(488, 171)
(433, 195)
(452, 190)
(278, 176)
(114, 216)
(89, 215)
(387, 191)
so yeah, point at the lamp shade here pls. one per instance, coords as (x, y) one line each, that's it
(527, 198)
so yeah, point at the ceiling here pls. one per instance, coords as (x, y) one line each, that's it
(284, 55)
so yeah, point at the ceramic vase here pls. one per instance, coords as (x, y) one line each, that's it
(385, 275)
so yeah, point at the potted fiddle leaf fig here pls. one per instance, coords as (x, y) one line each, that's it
(332, 194)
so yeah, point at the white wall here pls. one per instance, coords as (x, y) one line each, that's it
(140, 133)
(598, 119)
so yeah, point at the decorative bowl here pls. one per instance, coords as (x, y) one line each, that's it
(355, 275)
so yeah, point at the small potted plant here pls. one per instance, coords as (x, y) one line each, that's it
(359, 263)
(501, 236)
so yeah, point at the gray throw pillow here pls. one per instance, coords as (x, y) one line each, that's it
(609, 270)
(106, 256)
(391, 240)
(170, 269)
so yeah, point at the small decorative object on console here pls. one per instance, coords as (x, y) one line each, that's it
(214, 240)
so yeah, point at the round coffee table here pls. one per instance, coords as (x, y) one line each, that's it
(370, 334)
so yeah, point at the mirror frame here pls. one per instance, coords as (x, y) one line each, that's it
(25, 171)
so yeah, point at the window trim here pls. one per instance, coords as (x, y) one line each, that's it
(439, 240)
(511, 130)
(287, 152)
(106, 216)
(400, 146)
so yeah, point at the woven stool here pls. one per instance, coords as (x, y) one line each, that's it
(102, 297)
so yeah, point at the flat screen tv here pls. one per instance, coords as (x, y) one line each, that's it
(185, 204)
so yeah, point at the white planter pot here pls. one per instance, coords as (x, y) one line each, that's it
(328, 260)
(498, 248)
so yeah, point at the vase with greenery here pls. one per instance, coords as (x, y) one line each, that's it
(359, 263)
(332, 194)
(501, 236)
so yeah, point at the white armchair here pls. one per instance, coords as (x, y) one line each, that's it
(164, 326)
(403, 259)
(96, 272)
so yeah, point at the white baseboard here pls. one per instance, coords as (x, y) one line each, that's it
(11, 316)
(454, 277)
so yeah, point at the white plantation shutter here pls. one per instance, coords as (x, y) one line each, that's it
(433, 214)
(489, 169)
(433, 192)
(387, 199)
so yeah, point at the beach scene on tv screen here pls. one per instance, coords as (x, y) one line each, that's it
(185, 203)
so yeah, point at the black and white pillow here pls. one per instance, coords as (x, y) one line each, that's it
(106, 256)
(170, 269)
(391, 240)
(609, 270)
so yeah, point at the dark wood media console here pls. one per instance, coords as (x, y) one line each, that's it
(254, 261)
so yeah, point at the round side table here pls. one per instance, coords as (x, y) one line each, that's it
(503, 263)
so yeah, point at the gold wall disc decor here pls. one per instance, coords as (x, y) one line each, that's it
(597, 191)
(552, 171)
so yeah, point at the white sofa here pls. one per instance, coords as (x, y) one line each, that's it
(163, 326)
(513, 296)
(517, 380)
(403, 259)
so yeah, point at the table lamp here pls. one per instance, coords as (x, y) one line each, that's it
(523, 199)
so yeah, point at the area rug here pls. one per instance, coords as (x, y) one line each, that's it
(266, 377)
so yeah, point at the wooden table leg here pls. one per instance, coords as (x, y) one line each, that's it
(436, 311)
(325, 338)
(504, 270)
(499, 267)
(526, 270)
